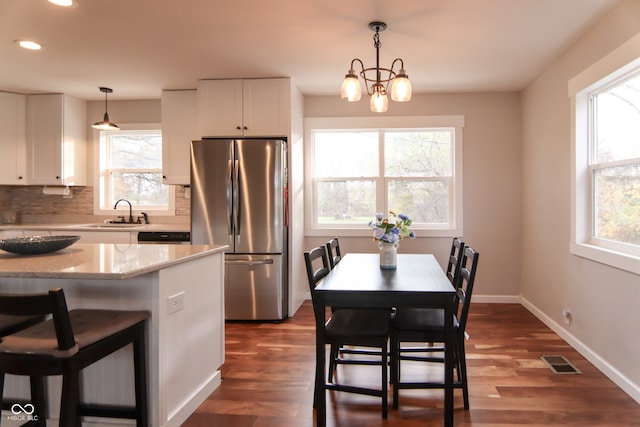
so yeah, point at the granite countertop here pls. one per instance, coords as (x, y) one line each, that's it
(112, 261)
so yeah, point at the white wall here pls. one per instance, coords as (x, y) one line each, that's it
(603, 300)
(492, 183)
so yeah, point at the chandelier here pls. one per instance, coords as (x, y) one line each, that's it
(377, 79)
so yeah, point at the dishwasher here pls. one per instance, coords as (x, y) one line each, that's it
(167, 237)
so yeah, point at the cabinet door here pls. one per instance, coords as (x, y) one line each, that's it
(266, 107)
(56, 140)
(219, 108)
(179, 128)
(13, 162)
(44, 139)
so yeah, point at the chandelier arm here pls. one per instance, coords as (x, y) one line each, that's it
(393, 64)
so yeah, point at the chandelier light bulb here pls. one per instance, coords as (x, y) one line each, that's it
(351, 90)
(379, 102)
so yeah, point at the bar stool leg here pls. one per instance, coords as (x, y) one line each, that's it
(140, 362)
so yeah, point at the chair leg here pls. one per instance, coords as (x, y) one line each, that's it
(462, 362)
(333, 355)
(395, 370)
(1, 392)
(39, 400)
(385, 381)
(140, 363)
(70, 397)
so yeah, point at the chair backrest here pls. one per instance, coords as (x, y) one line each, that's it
(333, 251)
(455, 260)
(465, 288)
(315, 272)
(52, 302)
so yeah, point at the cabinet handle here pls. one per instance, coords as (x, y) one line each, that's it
(238, 127)
(57, 177)
(20, 177)
(245, 128)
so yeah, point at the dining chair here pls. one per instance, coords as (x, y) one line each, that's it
(333, 252)
(351, 327)
(67, 343)
(424, 325)
(455, 259)
(10, 325)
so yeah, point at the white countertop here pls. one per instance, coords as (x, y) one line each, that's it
(97, 227)
(102, 260)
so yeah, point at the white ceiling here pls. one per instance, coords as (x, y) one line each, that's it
(140, 47)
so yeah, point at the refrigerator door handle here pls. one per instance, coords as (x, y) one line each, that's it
(229, 198)
(250, 262)
(236, 197)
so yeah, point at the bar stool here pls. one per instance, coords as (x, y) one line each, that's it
(69, 342)
(10, 325)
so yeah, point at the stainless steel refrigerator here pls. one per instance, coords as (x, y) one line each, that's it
(238, 198)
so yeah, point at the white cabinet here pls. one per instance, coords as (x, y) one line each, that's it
(56, 140)
(13, 144)
(250, 107)
(179, 128)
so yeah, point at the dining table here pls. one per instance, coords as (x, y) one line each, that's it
(357, 281)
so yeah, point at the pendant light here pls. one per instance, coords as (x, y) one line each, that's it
(377, 79)
(105, 124)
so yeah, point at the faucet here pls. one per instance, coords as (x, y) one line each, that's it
(130, 209)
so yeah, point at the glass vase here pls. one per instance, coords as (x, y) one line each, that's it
(388, 255)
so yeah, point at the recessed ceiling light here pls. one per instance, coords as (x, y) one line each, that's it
(64, 3)
(29, 44)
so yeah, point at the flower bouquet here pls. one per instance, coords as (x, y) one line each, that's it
(388, 232)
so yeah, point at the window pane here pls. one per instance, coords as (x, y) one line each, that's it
(139, 188)
(346, 154)
(418, 153)
(617, 203)
(617, 125)
(422, 201)
(346, 202)
(135, 150)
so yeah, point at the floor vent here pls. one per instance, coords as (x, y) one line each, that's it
(560, 365)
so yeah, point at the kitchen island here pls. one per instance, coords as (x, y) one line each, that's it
(182, 287)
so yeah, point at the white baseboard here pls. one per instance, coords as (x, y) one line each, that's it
(605, 367)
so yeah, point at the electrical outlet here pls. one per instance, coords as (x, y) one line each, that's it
(566, 315)
(175, 303)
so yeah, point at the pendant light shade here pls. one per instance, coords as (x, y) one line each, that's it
(105, 124)
(377, 79)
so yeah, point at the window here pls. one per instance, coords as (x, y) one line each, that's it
(130, 167)
(360, 166)
(614, 161)
(606, 142)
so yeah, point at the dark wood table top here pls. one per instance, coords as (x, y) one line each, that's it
(418, 281)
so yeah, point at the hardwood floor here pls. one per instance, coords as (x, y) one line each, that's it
(269, 369)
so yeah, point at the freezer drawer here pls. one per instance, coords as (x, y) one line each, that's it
(254, 287)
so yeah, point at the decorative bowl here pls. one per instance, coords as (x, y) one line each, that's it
(35, 245)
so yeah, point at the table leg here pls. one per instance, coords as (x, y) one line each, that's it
(448, 364)
(319, 398)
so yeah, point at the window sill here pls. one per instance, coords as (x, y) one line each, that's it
(359, 232)
(608, 257)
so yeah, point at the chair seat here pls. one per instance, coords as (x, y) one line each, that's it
(421, 320)
(347, 323)
(89, 327)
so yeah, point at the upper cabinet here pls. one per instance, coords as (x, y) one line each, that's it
(249, 107)
(56, 140)
(179, 128)
(13, 162)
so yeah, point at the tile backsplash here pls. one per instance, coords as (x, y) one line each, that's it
(30, 206)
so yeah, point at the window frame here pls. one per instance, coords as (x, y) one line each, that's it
(99, 150)
(622, 62)
(388, 123)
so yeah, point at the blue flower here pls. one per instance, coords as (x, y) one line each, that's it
(391, 229)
